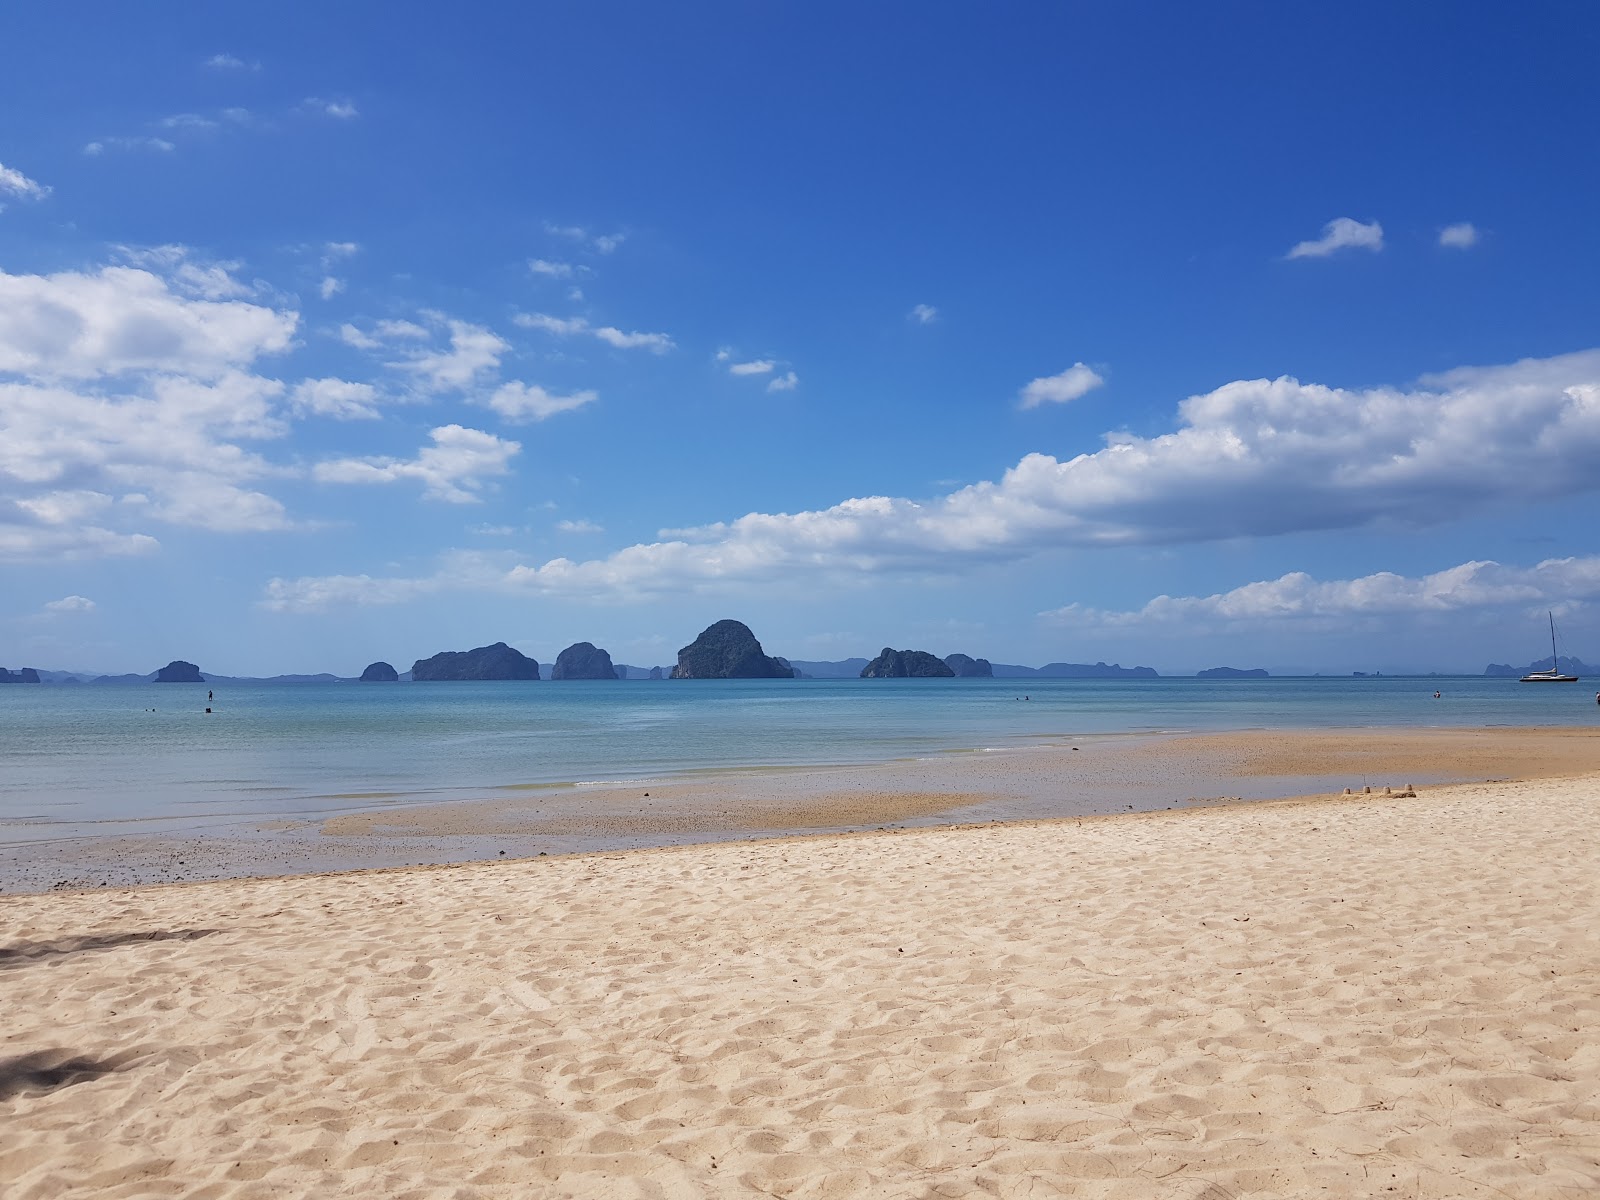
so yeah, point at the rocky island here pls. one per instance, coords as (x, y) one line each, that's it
(498, 661)
(584, 660)
(906, 664)
(967, 667)
(1231, 673)
(178, 671)
(26, 675)
(728, 650)
(380, 672)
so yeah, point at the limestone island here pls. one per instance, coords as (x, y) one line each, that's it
(380, 672)
(178, 671)
(906, 664)
(967, 667)
(584, 660)
(728, 650)
(498, 661)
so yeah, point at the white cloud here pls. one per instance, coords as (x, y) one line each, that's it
(1300, 598)
(758, 366)
(336, 250)
(516, 401)
(601, 243)
(1254, 458)
(100, 146)
(317, 594)
(125, 393)
(656, 343)
(341, 110)
(579, 526)
(382, 331)
(1077, 380)
(1339, 234)
(69, 604)
(474, 354)
(452, 469)
(336, 398)
(923, 314)
(330, 287)
(121, 319)
(787, 382)
(549, 269)
(229, 62)
(15, 183)
(1461, 236)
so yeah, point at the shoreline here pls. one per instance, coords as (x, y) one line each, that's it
(1330, 995)
(1097, 774)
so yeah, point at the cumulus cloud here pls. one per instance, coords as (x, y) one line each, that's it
(15, 183)
(1461, 236)
(230, 62)
(551, 270)
(118, 319)
(1253, 458)
(521, 402)
(330, 287)
(787, 382)
(453, 469)
(1341, 233)
(656, 343)
(125, 395)
(1298, 597)
(579, 526)
(474, 354)
(923, 314)
(336, 398)
(758, 366)
(340, 110)
(68, 605)
(1077, 380)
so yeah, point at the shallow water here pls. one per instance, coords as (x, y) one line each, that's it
(122, 759)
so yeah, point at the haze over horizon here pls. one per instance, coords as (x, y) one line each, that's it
(1145, 334)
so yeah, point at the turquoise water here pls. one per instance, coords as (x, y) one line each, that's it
(70, 756)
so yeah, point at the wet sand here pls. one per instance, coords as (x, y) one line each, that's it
(1090, 776)
(1348, 996)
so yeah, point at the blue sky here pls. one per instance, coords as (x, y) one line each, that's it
(1169, 334)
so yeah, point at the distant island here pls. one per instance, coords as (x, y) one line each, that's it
(967, 667)
(583, 660)
(728, 650)
(1058, 670)
(906, 664)
(1568, 665)
(26, 675)
(498, 661)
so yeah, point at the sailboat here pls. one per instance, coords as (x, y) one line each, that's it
(1553, 675)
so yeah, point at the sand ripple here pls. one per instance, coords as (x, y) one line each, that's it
(1357, 998)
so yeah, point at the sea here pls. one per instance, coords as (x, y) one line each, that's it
(152, 759)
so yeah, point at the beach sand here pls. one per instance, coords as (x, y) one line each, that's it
(1351, 996)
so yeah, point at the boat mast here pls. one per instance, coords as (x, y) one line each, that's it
(1555, 663)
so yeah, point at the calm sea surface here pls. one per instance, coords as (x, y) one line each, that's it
(85, 755)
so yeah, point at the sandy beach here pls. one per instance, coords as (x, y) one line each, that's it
(1346, 996)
